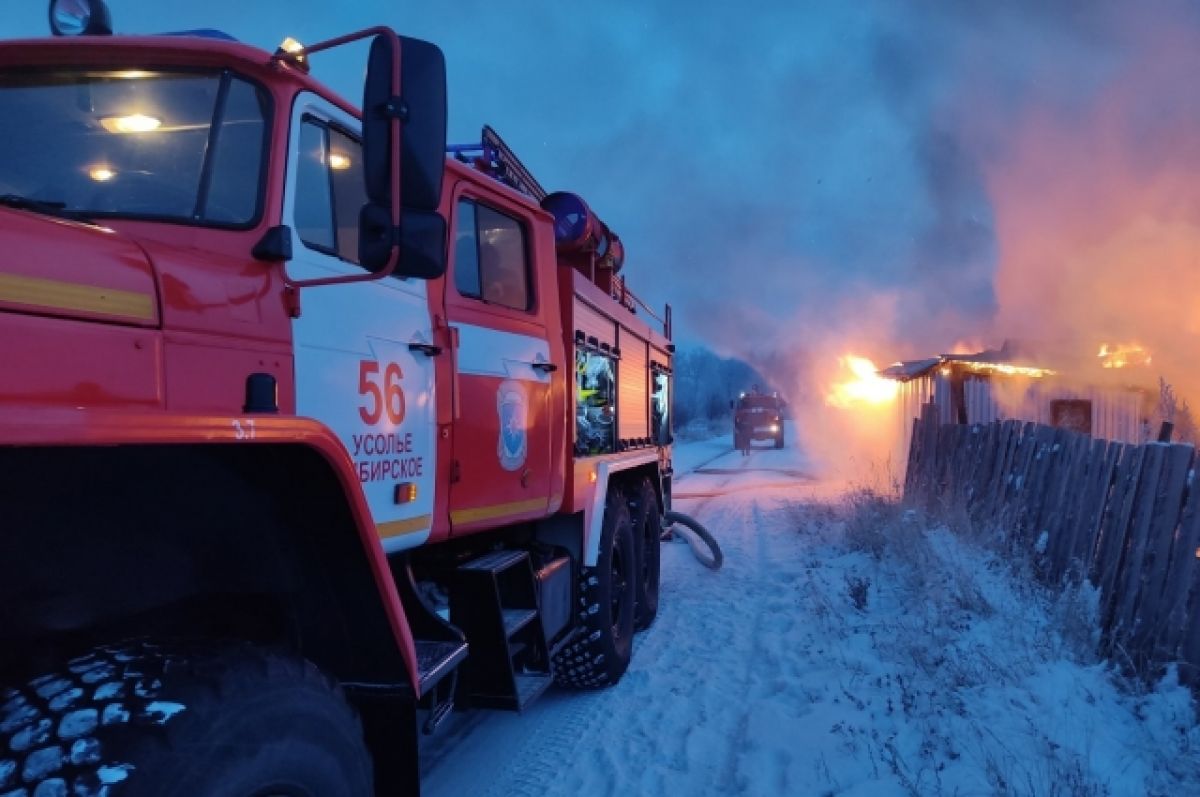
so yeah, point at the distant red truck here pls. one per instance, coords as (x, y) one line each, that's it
(757, 416)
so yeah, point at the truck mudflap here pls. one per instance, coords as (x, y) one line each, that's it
(26, 427)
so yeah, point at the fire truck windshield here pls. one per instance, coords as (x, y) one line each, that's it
(170, 146)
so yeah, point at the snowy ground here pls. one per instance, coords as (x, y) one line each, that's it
(844, 649)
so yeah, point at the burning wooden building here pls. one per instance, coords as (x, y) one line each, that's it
(1001, 384)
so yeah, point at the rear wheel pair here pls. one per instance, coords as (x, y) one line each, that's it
(617, 596)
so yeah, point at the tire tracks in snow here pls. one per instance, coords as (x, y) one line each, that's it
(731, 774)
(738, 624)
(687, 717)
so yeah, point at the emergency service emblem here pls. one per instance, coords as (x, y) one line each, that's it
(512, 407)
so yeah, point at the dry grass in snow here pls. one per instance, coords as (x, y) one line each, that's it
(958, 675)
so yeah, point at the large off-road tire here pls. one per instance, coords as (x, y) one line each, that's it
(599, 653)
(142, 720)
(647, 531)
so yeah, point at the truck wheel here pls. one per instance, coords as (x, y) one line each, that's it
(174, 722)
(647, 531)
(779, 440)
(599, 654)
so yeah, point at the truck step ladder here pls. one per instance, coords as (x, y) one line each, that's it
(441, 649)
(495, 602)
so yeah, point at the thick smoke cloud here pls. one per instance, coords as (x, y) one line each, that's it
(806, 179)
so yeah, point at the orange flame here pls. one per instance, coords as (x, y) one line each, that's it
(1123, 354)
(866, 386)
(1008, 370)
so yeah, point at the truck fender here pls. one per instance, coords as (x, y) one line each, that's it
(164, 487)
(609, 472)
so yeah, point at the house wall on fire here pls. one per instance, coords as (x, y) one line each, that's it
(1110, 413)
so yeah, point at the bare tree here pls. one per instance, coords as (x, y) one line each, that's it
(1171, 410)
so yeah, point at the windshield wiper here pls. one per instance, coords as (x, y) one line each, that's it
(43, 206)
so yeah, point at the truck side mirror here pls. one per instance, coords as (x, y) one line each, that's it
(422, 241)
(421, 111)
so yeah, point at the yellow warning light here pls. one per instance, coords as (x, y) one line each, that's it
(406, 492)
(338, 160)
(293, 52)
(592, 477)
(101, 174)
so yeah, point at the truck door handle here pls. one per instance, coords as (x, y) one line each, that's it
(428, 349)
(545, 368)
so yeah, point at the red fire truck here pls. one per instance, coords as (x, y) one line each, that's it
(757, 416)
(312, 429)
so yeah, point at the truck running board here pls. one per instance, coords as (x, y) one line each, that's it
(494, 600)
(436, 660)
(441, 648)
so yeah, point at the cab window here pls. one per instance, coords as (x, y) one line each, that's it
(183, 147)
(660, 406)
(490, 260)
(330, 190)
(595, 402)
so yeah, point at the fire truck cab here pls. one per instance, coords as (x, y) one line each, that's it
(312, 428)
(757, 416)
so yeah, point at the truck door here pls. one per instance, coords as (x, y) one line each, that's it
(502, 428)
(359, 364)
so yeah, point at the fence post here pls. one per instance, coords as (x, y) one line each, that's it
(1181, 573)
(1153, 607)
(1117, 602)
(914, 447)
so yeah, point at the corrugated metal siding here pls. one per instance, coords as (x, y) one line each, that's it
(941, 395)
(633, 396)
(1117, 414)
(980, 406)
(595, 324)
(912, 395)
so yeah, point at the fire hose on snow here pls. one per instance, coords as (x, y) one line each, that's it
(677, 524)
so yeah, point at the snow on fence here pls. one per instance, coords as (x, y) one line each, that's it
(1126, 517)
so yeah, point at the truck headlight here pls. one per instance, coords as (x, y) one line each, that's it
(80, 18)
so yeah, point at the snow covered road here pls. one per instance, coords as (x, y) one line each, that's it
(829, 657)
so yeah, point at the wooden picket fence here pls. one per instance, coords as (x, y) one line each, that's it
(1125, 517)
